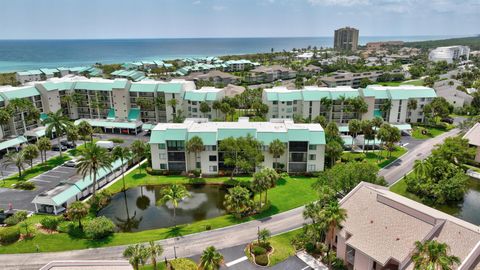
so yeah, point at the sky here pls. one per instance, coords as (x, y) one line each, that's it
(71, 19)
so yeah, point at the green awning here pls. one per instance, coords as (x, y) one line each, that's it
(43, 116)
(377, 113)
(111, 114)
(134, 114)
(110, 124)
(12, 142)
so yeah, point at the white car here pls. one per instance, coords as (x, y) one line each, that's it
(105, 144)
(71, 163)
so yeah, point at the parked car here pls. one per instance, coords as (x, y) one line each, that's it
(448, 120)
(57, 147)
(71, 163)
(68, 144)
(105, 144)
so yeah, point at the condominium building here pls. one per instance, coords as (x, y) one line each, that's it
(47, 73)
(346, 39)
(268, 74)
(305, 144)
(192, 101)
(344, 78)
(333, 102)
(449, 54)
(382, 227)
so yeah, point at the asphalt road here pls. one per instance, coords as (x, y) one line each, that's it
(191, 245)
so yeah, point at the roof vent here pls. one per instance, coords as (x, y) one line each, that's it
(371, 221)
(398, 239)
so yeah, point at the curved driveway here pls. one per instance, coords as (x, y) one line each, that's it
(193, 244)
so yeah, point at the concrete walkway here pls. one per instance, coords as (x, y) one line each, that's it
(311, 261)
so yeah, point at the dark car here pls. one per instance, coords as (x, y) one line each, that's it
(68, 144)
(448, 120)
(57, 147)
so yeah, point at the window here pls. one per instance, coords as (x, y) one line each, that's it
(163, 166)
(312, 147)
(210, 148)
(194, 110)
(212, 158)
(194, 103)
(289, 103)
(161, 146)
(275, 102)
(198, 165)
(163, 156)
(312, 157)
(212, 168)
(289, 110)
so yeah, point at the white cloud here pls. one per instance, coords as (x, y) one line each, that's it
(196, 2)
(218, 8)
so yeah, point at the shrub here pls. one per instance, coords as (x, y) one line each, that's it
(309, 247)
(208, 227)
(258, 250)
(16, 218)
(9, 235)
(197, 172)
(117, 140)
(184, 264)
(99, 228)
(99, 201)
(25, 185)
(154, 172)
(50, 223)
(261, 260)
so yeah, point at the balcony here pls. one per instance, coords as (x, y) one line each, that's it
(350, 256)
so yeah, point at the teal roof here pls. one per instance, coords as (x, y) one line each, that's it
(317, 137)
(298, 135)
(403, 126)
(98, 86)
(343, 128)
(147, 127)
(194, 96)
(12, 142)
(43, 116)
(111, 114)
(208, 138)
(21, 93)
(347, 94)
(347, 140)
(30, 72)
(134, 114)
(268, 137)
(285, 96)
(175, 134)
(224, 133)
(49, 71)
(377, 113)
(109, 124)
(378, 94)
(312, 95)
(157, 136)
(143, 87)
(421, 92)
(174, 88)
(50, 86)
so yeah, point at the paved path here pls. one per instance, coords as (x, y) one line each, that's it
(193, 244)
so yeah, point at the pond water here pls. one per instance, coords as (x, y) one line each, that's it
(137, 209)
(469, 208)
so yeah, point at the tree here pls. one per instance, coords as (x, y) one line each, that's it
(389, 135)
(385, 108)
(320, 119)
(327, 104)
(259, 185)
(263, 235)
(237, 201)
(342, 100)
(139, 149)
(205, 108)
(368, 132)
(92, 159)
(4, 119)
(271, 178)
(174, 194)
(354, 127)
(17, 159)
(30, 153)
(43, 145)
(359, 106)
(154, 251)
(211, 259)
(333, 150)
(412, 105)
(422, 168)
(195, 145)
(276, 148)
(173, 103)
(433, 255)
(72, 134)
(136, 255)
(57, 123)
(243, 153)
(333, 215)
(365, 82)
(456, 150)
(145, 103)
(85, 130)
(124, 154)
(77, 211)
(438, 108)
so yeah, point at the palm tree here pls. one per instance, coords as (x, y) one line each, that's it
(30, 153)
(433, 255)
(72, 134)
(422, 168)
(333, 215)
(77, 211)
(385, 108)
(276, 148)
(216, 106)
(327, 104)
(211, 259)
(259, 185)
(136, 255)
(195, 145)
(17, 159)
(342, 102)
(271, 178)
(205, 108)
(85, 130)
(263, 235)
(43, 145)
(4, 119)
(154, 251)
(138, 151)
(174, 194)
(237, 201)
(124, 154)
(93, 158)
(354, 126)
(173, 103)
(412, 105)
(58, 123)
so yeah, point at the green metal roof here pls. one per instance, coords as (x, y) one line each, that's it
(175, 134)
(194, 96)
(208, 138)
(423, 92)
(12, 142)
(173, 88)
(50, 86)
(134, 114)
(109, 124)
(95, 86)
(378, 94)
(143, 87)
(111, 114)
(157, 136)
(377, 113)
(268, 137)
(147, 127)
(347, 140)
(347, 94)
(285, 96)
(224, 133)
(298, 135)
(317, 137)
(312, 95)
(21, 93)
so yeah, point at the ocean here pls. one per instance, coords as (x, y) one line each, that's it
(18, 55)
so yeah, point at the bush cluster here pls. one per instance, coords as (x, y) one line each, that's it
(99, 228)
(50, 223)
(261, 260)
(16, 218)
(9, 236)
(25, 185)
(258, 250)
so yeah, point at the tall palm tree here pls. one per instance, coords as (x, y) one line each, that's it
(154, 251)
(195, 145)
(433, 255)
(85, 130)
(385, 108)
(57, 123)
(354, 127)
(138, 151)
(211, 259)
(276, 148)
(174, 194)
(271, 178)
(422, 168)
(124, 154)
(44, 144)
(259, 185)
(93, 158)
(342, 102)
(17, 159)
(30, 153)
(333, 215)
(327, 104)
(237, 201)
(4, 119)
(136, 255)
(173, 103)
(412, 105)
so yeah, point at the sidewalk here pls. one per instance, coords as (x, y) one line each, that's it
(311, 261)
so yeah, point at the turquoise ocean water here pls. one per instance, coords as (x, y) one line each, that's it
(33, 54)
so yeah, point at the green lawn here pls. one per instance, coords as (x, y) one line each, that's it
(380, 158)
(35, 171)
(401, 188)
(289, 193)
(282, 244)
(432, 132)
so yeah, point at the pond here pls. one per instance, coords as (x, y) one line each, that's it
(469, 208)
(137, 209)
